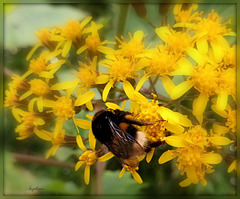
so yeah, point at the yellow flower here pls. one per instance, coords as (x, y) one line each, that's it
(11, 98)
(184, 15)
(231, 120)
(214, 32)
(45, 40)
(42, 67)
(72, 33)
(209, 80)
(93, 43)
(135, 175)
(161, 61)
(39, 88)
(56, 138)
(30, 121)
(120, 69)
(233, 166)
(132, 48)
(89, 157)
(192, 155)
(87, 75)
(176, 41)
(229, 58)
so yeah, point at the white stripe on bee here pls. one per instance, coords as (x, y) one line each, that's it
(141, 138)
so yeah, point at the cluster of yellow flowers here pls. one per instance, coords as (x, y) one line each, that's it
(195, 48)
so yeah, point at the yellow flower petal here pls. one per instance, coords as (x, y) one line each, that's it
(128, 88)
(183, 120)
(168, 115)
(233, 166)
(106, 157)
(83, 99)
(137, 177)
(217, 51)
(92, 140)
(222, 102)
(211, 158)
(31, 104)
(89, 116)
(180, 89)
(39, 121)
(168, 84)
(150, 155)
(122, 172)
(65, 85)
(202, 46)
(199, 105)
(87, 174)
(191, 174)
(194, 53)
(185, 183)
(113, 106)
(184, 67)
(163, 33)
(221, 113)
(45, 135)
(40, 104)
(220, 130)
(141, 82)
(25, 95)
(49, 153)
(106, 90)
(84, 124)
(48, 103)
(102, 79)
(166, 156)
(80, 143)
(220, 140)
(78, 165)
(175, 141)
(32, 51)
(66, 48)
(81, 49)
(174, 128)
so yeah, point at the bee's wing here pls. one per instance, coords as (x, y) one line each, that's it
(124, 146)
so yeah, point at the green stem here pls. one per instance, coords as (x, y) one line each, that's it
(71, 65)
(122, 19)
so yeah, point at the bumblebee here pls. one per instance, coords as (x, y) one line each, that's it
(120, 136)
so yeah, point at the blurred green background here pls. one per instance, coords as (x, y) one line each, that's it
(57, 176)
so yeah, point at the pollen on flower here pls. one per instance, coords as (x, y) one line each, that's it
(212, 26)
(205, 79)
(185, 15)
(161, 61)
(87, 75)
(93, 42)
(19, 83)
(64, 108)
(189, 156)
(88, 157)
(39, 87)
(45, 37)
(29, 122)
(121, 69)
(11, 98)
(148, 112)
(134, 47)
(38, 65)
(72, 30)
(197, 135)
